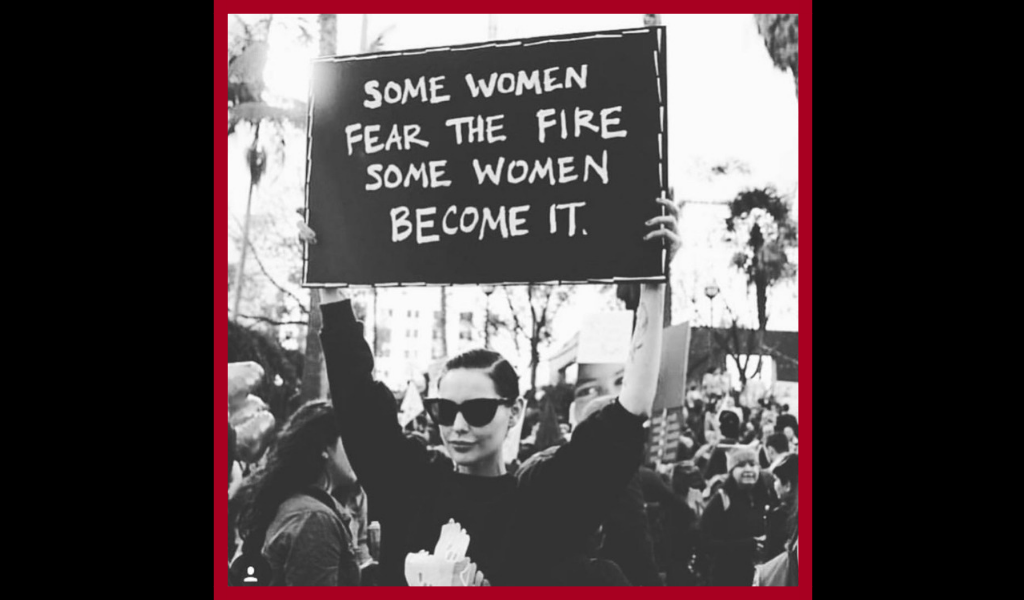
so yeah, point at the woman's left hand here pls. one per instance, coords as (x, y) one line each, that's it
(671, 222)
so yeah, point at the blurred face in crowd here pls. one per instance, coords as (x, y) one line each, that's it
(339, 470)
(746, 473)
(790, 434)
(782, 489)
(475, 449)
(598, 380)
(767, 429)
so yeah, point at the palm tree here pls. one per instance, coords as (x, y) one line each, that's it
(247, 58)
(782, 39)
(771, 233)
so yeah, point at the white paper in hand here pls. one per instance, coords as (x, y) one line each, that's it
(447, 566)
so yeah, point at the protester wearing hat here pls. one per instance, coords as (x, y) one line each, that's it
(733, 524)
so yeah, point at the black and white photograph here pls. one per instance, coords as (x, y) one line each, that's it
(513, 300)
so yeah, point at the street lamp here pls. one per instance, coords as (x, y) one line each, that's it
(488, 290)
(711, 291)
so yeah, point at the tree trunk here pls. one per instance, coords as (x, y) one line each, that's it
(253, 179)
(534, 338)
(314, 381)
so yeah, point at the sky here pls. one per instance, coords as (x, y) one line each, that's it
(726, 101)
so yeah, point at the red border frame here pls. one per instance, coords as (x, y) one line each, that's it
(220, 226)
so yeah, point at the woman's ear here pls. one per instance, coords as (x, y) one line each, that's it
(517, 412)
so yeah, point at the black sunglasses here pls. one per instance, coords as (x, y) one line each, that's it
(478, 412)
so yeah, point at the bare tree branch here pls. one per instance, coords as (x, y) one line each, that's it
(259, 262)
(273, 322)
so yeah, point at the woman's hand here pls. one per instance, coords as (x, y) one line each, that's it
(242, 377)
(307, 235)
(670, 233)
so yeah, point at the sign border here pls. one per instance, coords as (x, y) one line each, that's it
(659, 62)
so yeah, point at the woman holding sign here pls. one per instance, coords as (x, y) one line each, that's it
(515, 533)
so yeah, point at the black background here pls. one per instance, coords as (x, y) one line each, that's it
(354, 225)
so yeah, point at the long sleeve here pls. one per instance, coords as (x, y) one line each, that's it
(583, 477)
(628, 540)
(385, 462)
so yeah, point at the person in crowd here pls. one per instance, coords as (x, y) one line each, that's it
(782, 519)
(776, 448)
(703, 455)
(729, 425)
(733, 524)
(289, 514)
(353, 501)
(787, 424)
(695, 421)
(684, 531)
(768, 419)
(250, 428)
(711, 418)
(517, 531)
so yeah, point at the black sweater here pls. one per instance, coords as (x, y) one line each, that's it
(516, 530)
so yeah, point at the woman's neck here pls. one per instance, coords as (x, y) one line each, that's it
(488, 469)
(324, 483)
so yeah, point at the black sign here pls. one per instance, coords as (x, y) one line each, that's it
(534, 160)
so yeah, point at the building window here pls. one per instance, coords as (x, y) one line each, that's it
(466, 335)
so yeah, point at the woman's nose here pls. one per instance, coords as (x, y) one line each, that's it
(460, 423)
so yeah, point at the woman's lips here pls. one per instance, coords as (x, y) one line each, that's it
(460, 446)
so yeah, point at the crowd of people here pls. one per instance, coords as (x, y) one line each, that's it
(341, 494)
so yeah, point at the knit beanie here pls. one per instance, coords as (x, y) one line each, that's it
(739, 454)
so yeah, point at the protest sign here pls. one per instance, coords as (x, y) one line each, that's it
(675, 353)
(535, 160)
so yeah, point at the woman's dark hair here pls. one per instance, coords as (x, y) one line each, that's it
(729, 424)
(786, 471)
(293, 463)
(787, 420)
(778, 442)
(506, 381)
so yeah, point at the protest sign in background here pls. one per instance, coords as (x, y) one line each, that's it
(675, 353)
(532, 160)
